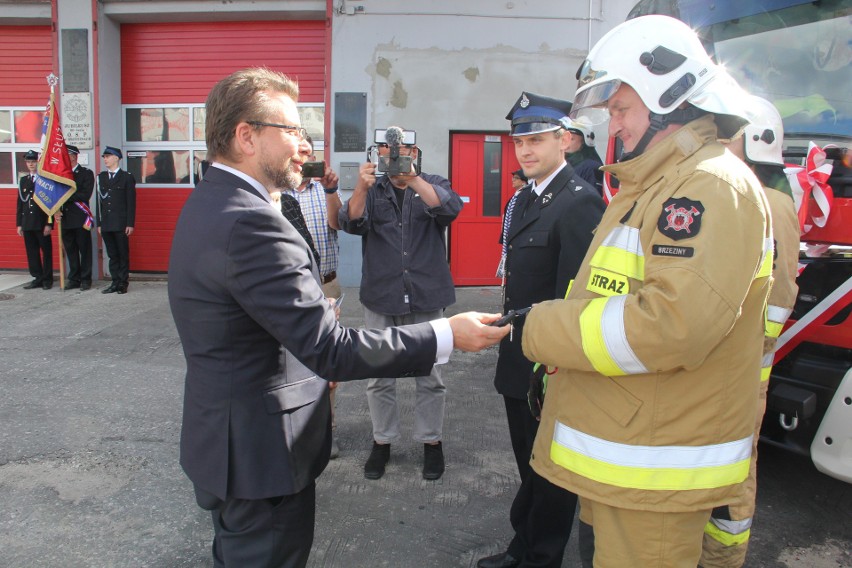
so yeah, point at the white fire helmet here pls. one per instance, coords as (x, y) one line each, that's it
(664, 61)
(582, 127)
(764, 135)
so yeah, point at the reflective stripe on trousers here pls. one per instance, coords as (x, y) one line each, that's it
(729, 533)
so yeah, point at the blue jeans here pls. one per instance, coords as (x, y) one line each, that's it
(430, 390)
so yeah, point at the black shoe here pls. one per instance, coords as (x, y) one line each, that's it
(121, 289)
(110, 290)
(47, 285)
(502, 560)
(33, 284)
(379, 456)
(72, 285)
(85, 286)
(433, 461)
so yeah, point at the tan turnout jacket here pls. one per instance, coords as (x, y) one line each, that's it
(661, 337)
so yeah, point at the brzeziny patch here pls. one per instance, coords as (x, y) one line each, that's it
(680, 218)
(663, 250)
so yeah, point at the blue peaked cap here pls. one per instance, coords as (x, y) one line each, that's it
(534, 113)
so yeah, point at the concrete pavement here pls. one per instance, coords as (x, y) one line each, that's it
(89, 474)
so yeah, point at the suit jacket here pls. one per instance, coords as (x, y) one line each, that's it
(546, 246)
(28, 215)
(72, 216)
(257, 334)
(116, 201)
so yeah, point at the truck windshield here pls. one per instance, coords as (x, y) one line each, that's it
(796, 54)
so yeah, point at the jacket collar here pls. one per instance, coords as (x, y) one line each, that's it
(641, 172)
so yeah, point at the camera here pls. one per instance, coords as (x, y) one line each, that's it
(313, 169)
(392, 163)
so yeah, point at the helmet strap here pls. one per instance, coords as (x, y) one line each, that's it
(660, 122)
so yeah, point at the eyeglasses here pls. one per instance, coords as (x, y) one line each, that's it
(291, 130)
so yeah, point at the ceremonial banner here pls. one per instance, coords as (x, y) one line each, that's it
(54, 182)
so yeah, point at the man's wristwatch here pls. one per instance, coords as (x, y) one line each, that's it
(330, 190)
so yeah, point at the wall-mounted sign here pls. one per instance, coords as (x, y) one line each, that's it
(75, 61)
(77, 119)
(350, 122)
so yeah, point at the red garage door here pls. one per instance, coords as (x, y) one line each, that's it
(169, 65)
(26, 59)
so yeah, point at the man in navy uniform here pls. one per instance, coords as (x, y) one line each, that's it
(32, 224)
(547, 229)
(116, 217)
(77, 224)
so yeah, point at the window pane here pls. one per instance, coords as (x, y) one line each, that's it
(157, 124)
(21, 168)
(5, 127)
(28, 126)
(6, 175)
(199, 116)
(313, 118)
(491, 175)
(159, 167)
(199, 165)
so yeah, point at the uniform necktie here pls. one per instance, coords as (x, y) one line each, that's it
(111, 175)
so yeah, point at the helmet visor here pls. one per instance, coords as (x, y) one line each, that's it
(590, 103)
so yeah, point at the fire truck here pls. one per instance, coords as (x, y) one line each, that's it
(799, 56)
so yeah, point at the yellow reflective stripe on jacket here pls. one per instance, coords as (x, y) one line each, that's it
(665, 468)
(621, 252)
(776, 316)
(568, 289)
(729, 533)
(765, 270)
(605, 339)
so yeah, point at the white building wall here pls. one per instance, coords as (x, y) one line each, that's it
(450, 65)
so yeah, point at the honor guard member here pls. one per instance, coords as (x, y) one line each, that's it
(116, 217)
(33, 224)
(649, 415)
(727, 534)
(547, 229)
(582, 156)
(77, 226)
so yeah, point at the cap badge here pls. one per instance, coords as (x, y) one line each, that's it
(525, 102)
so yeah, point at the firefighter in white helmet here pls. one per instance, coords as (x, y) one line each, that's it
(649, 416)
(581, 153)
(727, 533)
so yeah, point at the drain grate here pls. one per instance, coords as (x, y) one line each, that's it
(7, 297)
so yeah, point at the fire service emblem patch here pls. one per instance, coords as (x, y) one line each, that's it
(681, 218)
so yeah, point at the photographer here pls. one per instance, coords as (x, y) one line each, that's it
(401, 214)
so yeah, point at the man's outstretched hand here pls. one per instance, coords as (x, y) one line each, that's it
(471, 331)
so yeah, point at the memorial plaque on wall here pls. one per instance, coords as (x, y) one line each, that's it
(77, 119)
(75, 61)
(350, 122)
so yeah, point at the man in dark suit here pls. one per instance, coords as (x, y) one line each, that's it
(547, 229)
(258, 333)
(77, 226)
(32, 224)
(116, 217)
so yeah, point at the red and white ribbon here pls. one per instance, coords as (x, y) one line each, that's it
(811, 181)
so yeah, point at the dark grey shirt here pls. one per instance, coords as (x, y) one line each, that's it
(404, 267)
